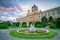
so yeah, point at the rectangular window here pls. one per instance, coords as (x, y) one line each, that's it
(53, 13)
(39, 16)
(58, 13)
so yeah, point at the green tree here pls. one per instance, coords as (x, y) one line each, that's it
(17, 23)
(58, 22)
(8, 23)
(44, 20)
(14, 24)
(51, 19)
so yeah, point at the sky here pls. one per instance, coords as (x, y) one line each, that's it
(12, 9)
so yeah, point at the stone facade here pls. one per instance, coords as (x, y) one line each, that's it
(35, 14)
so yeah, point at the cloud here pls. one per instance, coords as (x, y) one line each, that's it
(24, 6)
(8, 18)
(12, 13)
(14, 8)
(2, 9)
(11, 9)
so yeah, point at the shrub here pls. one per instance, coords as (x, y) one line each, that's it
(17, 24)
(58, 22)
(24, 24)
(38, 24)
(7, 22)
(43, 25)
(52, 26)
(3, 26)
(13, 24)
(44, 20)
(51, 19)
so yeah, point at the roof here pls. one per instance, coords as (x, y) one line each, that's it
(34, 6)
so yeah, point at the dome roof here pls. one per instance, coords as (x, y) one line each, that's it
(34, 6)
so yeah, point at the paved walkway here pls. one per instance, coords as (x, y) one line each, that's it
(58, 36)
(4, 35)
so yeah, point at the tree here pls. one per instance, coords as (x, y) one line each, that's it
(58, 22)
(8, 23)
(17, 23)
(51, 19)
(44, 20)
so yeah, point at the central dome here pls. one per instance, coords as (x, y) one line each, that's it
(34, 6)
(34, 9)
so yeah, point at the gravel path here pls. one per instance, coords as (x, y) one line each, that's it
(4, 35)
(58, 36)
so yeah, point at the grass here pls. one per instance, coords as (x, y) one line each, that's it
(55, 28)
(19, 35)
(58, 28)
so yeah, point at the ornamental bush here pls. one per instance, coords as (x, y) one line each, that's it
(39, 24)
(8, 23)
(24, 24)
(17, 23)
(52, 26)
(3, 26)
(13, 24)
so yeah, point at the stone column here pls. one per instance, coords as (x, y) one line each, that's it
(21, 24)
(27, 23)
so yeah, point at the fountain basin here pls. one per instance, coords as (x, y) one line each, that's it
(36, 31)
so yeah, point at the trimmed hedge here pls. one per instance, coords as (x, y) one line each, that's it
(53, 26)
(3, 26)
(24, 24)
(39, 24)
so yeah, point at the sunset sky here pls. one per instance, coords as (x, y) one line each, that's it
(12, 9)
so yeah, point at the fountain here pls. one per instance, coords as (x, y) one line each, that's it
(32, 30)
